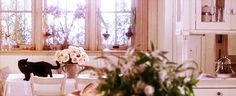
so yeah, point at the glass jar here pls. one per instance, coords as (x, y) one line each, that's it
(206, 14)
(224, 68)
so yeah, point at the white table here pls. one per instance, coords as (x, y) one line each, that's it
(16, 86)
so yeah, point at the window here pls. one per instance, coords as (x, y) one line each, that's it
(117, 21)
(16, 25)
(64, 22)
(56, 24)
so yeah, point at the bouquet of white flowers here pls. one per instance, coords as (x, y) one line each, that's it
(72, 55)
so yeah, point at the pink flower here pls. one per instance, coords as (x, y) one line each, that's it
(53, 10)
(80, 12)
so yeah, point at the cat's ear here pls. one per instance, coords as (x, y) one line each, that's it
(26, 59)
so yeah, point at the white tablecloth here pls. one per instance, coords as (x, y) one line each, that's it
(16, 86)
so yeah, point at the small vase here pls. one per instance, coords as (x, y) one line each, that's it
(71, 70)
(106, 36)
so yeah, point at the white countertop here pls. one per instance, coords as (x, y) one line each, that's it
(216, 82)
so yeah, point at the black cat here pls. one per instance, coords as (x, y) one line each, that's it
(42, 68)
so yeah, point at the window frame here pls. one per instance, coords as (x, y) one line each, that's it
(16, 11)
(92, 34)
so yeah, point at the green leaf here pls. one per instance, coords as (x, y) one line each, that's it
(193, 82)
(143, 58)
(152, 46)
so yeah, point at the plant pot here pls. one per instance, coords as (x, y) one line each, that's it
(71, 70)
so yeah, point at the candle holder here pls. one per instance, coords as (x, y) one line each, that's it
(129, 33)
(106, 36)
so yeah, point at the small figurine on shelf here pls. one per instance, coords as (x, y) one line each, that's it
(131, 28)
(6, 42)
(129, 33)
(106, 36)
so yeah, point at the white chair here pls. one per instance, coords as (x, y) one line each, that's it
(84, 79)
(47, 86)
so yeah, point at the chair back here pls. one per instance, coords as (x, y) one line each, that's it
(47, 86)
(84, 79)
(85, 84)
(88, 88)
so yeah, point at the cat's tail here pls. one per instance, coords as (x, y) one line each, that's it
(56, 67)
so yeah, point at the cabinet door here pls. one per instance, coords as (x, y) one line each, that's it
(212, 14)
(215, 92)
(233, 14)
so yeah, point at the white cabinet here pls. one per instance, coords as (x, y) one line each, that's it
(215, 92)
(216, 87)
(233, 17)
(214, 16)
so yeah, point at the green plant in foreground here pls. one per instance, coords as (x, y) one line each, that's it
(147, 73)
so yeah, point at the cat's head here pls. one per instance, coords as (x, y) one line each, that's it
(22, 61)
(23, 66)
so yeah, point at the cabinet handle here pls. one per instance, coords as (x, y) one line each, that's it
(234, 11)
(231, 12)
(219, 94)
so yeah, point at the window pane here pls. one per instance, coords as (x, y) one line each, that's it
(60, 3)
(123, 23)
(64, 22)
(116, 15)
(117, 27)
(8, 4)
(123, 5)
(16, 28)
(16, 23)
(109, 19)
(13, 5)
(23, 5)
(75, 4)
(108, 5)
(77, 34)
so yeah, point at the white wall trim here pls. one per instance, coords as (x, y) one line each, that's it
(152, 22)
(165, 27)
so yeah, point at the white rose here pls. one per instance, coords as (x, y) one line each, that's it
(60, 59)
(83, 57)
(73, 55)
(149, 90)
(65, 58)
(74, 60)
(81, 49)
(78, 53)
(57, 55)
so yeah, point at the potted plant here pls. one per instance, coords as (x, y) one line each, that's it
(70, 58)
